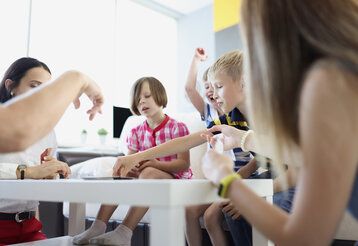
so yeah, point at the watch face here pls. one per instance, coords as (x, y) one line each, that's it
(21, 167)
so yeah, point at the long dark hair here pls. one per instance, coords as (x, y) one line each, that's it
(16, 72)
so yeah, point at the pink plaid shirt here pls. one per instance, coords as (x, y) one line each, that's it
(143, 137)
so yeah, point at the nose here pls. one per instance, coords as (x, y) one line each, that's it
(215, 94)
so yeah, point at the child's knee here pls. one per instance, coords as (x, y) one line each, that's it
(153, 173)
(193, 212)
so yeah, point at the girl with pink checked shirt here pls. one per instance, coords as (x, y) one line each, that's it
(148, 99)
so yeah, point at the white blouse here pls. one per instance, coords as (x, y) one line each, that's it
(29, 157)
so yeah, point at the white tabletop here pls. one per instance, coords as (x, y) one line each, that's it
(167, 199)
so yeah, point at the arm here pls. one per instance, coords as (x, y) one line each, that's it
(182, 163)
(327, 173)
(174, 146)
(27, 121)
(248, 169)
(190, 87)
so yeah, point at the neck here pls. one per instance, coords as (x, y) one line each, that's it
(156, 119)
(242, 108)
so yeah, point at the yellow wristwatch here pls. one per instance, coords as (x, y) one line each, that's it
(225, 184)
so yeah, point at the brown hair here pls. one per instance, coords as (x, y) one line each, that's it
(230, 63)
(157, 91)
(282, 40)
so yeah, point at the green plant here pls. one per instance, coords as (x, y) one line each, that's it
(84, 131)
(102, 132)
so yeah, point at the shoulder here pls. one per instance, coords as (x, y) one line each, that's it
(137, 129)
(328, 84)
(175, 125)
(328, 76)
(329, 100)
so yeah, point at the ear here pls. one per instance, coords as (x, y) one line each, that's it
(8, 83)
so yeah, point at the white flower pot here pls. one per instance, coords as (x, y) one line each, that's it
(102, 139)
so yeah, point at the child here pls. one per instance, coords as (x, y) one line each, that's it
(228, 93)
(23, 75)
(148, 99)
(208, 108)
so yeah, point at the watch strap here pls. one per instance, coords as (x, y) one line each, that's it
(225, 184)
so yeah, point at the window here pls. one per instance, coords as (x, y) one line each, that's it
(108, 41)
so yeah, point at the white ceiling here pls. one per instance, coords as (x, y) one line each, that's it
(184, 6)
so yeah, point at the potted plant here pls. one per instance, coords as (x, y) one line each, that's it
(83, 136)
(102, 133)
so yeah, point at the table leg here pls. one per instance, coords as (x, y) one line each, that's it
(167, 226)
(257, 237)
(76, 220)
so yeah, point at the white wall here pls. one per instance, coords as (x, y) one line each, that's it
(194, 30)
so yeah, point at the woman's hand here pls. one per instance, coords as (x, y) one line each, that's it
(230, 136)
(124, 165)
(216, 166)
(93, 92)
(49, 169)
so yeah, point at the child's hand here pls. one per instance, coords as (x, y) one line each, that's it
(230, 209)
(230, 136)
(123, 165)
(200, 54)
(149, 163)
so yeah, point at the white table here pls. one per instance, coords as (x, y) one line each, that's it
(167, 199)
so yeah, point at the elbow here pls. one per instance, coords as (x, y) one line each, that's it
(189, 90)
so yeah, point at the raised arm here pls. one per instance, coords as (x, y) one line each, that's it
(26, 119)
(190, 87)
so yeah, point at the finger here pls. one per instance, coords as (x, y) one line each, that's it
(216, 128)
(77, 103)
(236, 216)
(144, 165)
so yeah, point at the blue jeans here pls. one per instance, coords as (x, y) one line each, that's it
(240, 229)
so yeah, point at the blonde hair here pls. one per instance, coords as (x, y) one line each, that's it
(230, 63)
(157, 91)
(282, 40)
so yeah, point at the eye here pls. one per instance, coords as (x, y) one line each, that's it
(218, 86)
(147, 96)
(34, 85)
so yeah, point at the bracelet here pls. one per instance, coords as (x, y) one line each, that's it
(225, 184)
(243, 140)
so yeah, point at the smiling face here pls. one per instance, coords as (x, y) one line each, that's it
(146, 103)
(33, 78)
(228, 92)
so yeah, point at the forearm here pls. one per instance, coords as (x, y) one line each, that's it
(190, 88)
(174, 146)
(192, 75)
(174, 166)
(248, 169)
(33, 116)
